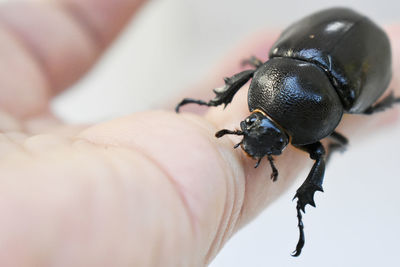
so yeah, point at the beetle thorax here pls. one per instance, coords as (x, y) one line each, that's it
(298, 96)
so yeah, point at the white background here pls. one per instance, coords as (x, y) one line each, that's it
(358, 217)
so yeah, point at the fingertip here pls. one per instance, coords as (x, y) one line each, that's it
(104, 18)
(51, 44)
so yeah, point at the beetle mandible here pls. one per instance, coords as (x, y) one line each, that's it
(329, 63)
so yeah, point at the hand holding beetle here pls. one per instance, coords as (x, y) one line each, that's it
(121, 192)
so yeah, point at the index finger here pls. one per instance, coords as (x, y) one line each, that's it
(47, 46)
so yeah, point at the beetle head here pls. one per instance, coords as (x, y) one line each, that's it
(261, 136)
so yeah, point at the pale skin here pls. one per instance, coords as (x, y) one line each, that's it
(123, 192)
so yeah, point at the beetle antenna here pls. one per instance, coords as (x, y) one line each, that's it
(274, 174)
(225, 131)
(300, 243)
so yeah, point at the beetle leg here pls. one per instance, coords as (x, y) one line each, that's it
(225, 94)
(274, 174)
(385, 103)
(339, 143)
(252, 61)
(313, 183)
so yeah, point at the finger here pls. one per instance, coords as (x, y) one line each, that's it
(48, 45)
(107, 201)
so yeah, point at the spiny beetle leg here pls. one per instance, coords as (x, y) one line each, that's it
(225, 94)
(313, 183)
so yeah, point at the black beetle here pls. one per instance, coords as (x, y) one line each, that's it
(332, 62)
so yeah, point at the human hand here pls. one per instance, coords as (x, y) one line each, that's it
(150, 189)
